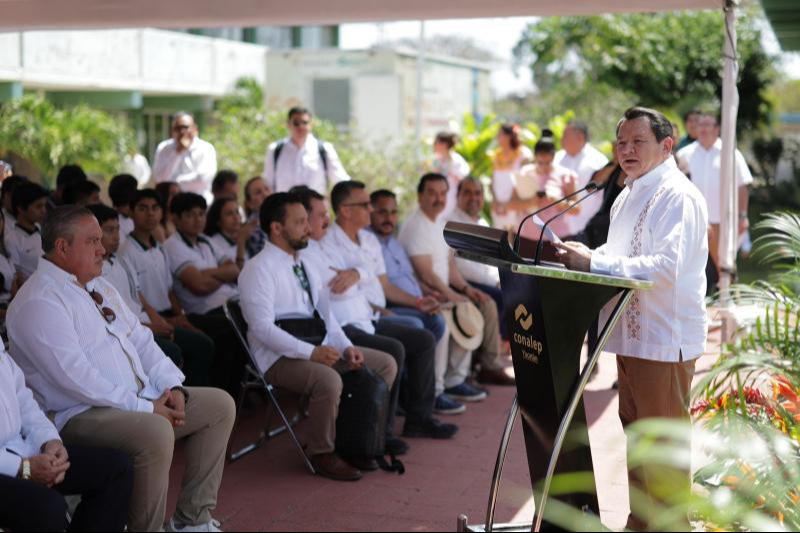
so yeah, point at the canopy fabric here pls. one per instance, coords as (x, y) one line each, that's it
(67, 14)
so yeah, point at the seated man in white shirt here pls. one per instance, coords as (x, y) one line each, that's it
(203, 283)
(278, 285)
(24, 240)
(470, 201)
(412, 348)
(301, 159)
(98, 370)
(186, 159)
(191, 350)
(37, 470)
(422, 236)
(658, 233)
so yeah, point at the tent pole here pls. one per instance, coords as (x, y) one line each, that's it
(729, 229)
(421, 59)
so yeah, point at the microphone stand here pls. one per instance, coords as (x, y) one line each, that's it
(539, 246)
(591, 188)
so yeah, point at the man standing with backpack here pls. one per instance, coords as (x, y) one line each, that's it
(302, 159)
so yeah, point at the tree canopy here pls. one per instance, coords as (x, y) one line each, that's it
(671, 61)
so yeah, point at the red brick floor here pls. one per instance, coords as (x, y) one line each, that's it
(271, 491)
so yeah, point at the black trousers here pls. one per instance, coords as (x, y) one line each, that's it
(102, 477)
(192, 352)
(414, 350)
(230, 359)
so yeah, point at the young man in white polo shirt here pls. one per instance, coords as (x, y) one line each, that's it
(203, 283)
(24, 240)
(191, 350)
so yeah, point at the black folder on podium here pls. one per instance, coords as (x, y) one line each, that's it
(549, 310)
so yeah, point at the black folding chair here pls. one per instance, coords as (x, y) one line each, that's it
(254, 380)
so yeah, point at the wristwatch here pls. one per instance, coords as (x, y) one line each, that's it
(25, 470)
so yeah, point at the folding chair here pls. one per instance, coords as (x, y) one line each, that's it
(254, 380)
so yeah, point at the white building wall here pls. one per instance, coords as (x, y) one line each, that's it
(146, 60)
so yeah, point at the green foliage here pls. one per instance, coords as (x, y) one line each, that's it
(50, 137)
(668, 61)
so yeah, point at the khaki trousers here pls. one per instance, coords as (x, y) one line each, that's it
(150, 440)
(652, 389)
(451, 363)
(488, 355)
(324, 385)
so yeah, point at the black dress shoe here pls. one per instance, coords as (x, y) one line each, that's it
(429, 429)
(396, 446)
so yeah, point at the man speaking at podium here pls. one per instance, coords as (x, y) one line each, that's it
(658, 233)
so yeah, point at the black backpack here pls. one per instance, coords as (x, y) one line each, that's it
(323, 155)
(361, 426)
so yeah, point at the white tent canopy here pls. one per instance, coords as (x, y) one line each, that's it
(65, 14)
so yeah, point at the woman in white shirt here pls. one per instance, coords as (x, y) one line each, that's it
(508, 159)
(449, 163)
(226, 232)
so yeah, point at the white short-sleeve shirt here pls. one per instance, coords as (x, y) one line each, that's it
(149, 264)
(123, 278)
(422, 236)
(705, 171)
(224, 248)
(182, 254)
(25, 249)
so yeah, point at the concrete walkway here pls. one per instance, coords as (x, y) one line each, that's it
(270, 490)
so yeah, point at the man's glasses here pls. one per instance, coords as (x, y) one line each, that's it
(363, 205)
(299, 123)
(108, 314)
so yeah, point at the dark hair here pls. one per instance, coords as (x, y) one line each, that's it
(78, 192)
(691, 113)
(661, 125)
(306, 194)
(162, 190)
(122, 189)
(274, 209)
(448, 138)
(546, 144)
(428, 178)
(512, 130)
(186, 201)
(215, 214)
(581, 127)
(377, 196)
(10, 184)
(297, 110)
(70, 174)
(144, 194)
(342, 191)
(103, 213)
(711, 114)
(26, 194)
(58, 224)
(468, 179)
(248, 196)
(223, 178)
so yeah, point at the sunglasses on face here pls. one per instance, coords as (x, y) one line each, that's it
(108, 314)
(299, 123)
(364, 205)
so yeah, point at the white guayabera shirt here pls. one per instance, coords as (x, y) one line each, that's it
(73, 358)
(659, 233)
(193, 169)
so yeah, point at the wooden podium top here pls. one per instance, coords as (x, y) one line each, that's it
(553, 271)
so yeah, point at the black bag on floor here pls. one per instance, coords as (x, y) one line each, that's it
(361, 426)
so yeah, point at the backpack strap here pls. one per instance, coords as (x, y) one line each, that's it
(323, 156)
(277, 153)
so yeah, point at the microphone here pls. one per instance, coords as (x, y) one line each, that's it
(597, 188)
(591, 188)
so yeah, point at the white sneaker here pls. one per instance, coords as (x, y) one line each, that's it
(172, 527)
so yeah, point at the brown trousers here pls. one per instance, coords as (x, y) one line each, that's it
(324, 385)
(150, 441)
(651, 389)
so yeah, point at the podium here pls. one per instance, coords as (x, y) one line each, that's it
(549, 310)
